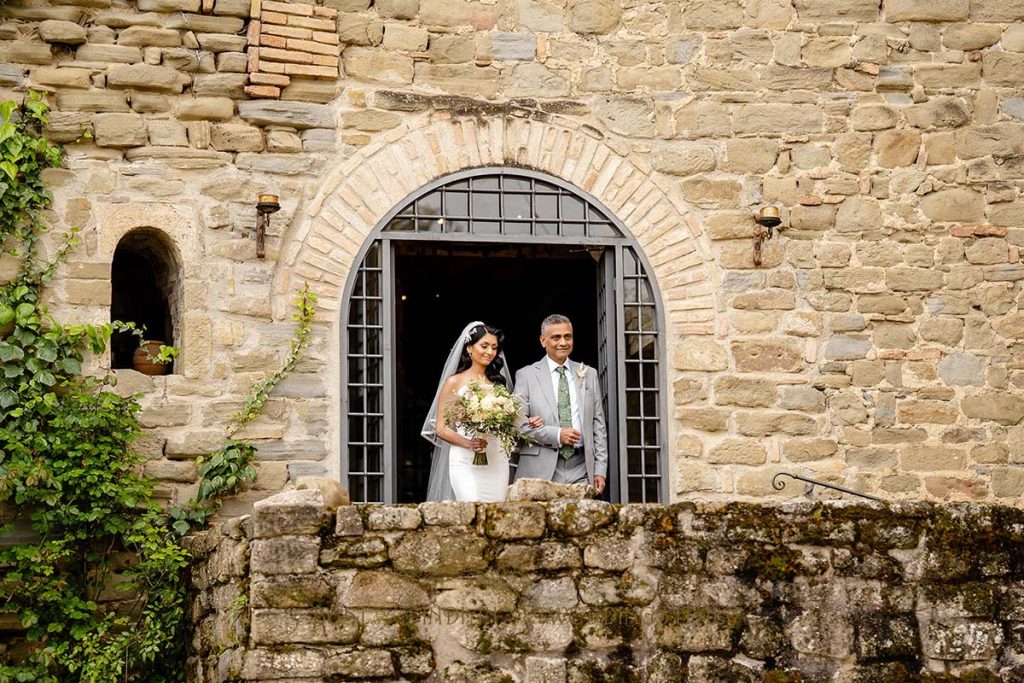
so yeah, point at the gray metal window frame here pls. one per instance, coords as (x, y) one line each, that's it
(613, 274)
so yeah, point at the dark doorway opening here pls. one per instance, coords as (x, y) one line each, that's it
(441, 287)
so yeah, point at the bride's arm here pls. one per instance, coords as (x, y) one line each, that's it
(444, 432)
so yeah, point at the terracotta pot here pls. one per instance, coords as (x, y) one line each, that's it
(141, 359)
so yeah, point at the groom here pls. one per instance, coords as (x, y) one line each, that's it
(572, 446)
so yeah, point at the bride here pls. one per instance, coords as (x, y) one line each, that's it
(475, 357)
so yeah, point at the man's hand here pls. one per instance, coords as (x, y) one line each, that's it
(599, 484)
(568, 437)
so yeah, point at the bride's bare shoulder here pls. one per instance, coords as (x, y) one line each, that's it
(453, 383)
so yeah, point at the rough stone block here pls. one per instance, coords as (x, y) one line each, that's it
(289, 513)
(288, 626)
(514, 520)
(294, 114)
(385, 590)
(440, 551)
(285, 555)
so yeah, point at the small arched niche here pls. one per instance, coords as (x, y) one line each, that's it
(145, 290)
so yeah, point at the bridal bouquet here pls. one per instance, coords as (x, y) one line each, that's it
(487, 409)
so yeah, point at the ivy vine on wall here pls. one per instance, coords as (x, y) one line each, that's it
(99, 585)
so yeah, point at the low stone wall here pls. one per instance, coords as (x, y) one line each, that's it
(581, 590)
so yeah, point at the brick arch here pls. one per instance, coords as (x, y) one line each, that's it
(323, 242)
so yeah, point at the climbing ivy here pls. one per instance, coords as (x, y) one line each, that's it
(98, 582)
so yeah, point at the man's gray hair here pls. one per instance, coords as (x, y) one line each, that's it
(553, 319)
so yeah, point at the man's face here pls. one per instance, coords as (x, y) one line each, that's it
(557, 341)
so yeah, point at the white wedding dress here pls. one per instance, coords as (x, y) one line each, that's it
(478, 483)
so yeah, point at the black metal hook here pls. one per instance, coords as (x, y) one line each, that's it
(778, 485)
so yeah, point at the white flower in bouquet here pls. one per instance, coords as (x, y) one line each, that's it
(487, 409)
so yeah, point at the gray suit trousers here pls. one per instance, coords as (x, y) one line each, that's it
(571, 470)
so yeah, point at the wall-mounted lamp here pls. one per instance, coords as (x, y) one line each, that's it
(767, 220)
(265, 205)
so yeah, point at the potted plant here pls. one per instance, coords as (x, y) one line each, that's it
(153, 357)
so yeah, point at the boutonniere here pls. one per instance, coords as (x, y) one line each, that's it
(581, 373)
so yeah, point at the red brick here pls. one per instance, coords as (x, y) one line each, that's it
(325, 60)
(288, 8)
(288, 32)
(254, 60)
(274, 41)
(315, 24)
(326, 12)
(279, 80)
(320, 37)
(264, 91)
(252, 34)
(314, 71)
(273, 18)
(311, 46)
(272, 67)
(275, 55)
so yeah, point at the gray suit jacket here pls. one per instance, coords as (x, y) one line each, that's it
(538, 458)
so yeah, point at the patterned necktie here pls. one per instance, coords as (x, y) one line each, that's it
(564, 410)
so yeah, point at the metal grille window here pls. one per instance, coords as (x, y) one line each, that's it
(510, 206)
(365, 392)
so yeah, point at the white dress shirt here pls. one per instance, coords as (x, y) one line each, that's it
(574, 401)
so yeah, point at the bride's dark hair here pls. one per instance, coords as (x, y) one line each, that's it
(493, 371)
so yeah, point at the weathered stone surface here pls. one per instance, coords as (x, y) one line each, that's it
(119, 130)
(780, 355)
(295, 114)
(146, 77)
(440, 551)
(286, 626)
(700, 354)
(296, 513)
(578, 517)
(998, 407)
(514, 520)
(57, 31)
(594, 16)
(541, 489)
(285, 555)
(385, 590)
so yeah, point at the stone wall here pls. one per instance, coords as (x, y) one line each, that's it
(580, 590)
(878, 345)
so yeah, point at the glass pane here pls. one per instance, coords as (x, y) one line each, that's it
(650, 462)
(486, 228)
(651, 491)
(633, 435)
(460, 185)
(356, 491)
(356, 461)
(373, 282)
(373, 256)
(632, 374)
(401, 225)
(359, 289)
(603, 230)
(373, 346)
(646, 293)
(633, 402)
(356, 370)
(355, 341)
(374, 402)
(634, 461)
(629, 262)
(355, 312)
(547, 228)
(517, 228)
(373, 459)
(547, 206)
(457, 226)
(355, 429)
(456, 204)
(650, 432)
(636, 490)
(574, 229)
(516, 206)
(486, 183)
(374, 369)
(629, 290)
(373, 307)
(429, 205)
(572, 208)
(356, 400)
(374, 490)
(650, 375)
(485, 206)
(650, 402)
(430, 224)
(514, 183)
(374, 431)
